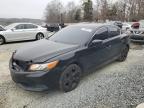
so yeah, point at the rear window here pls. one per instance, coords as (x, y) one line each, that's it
(29, 26)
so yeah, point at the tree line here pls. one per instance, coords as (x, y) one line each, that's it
(96, 10)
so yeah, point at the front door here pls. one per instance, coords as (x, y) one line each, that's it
(16, 33)
(94, 56)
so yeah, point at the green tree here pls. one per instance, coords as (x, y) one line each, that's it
(88, 10)
(112, 13)
(78, 15)
(53, 12)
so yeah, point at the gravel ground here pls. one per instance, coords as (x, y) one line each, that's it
(117, 85)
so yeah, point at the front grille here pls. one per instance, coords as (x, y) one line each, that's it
(137, 37)
(22, 65)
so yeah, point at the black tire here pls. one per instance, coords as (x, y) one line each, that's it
(2, 40)
(123, 55)
(70, 78)
(39, 36)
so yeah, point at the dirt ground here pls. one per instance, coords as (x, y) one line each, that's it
(117, 85)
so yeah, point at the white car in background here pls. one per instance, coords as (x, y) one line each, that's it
(126, 27)
(22, 31)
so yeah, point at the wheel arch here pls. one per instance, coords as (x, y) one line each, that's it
(77, 63)
(40, 33)
(3, 38)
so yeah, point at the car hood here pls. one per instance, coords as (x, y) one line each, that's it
(42, 50)
(5, 31)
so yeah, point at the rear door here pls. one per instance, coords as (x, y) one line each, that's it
(105, 49)
(114, 40)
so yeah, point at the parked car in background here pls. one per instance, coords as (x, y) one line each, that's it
(116, 23)
(137, 35)
(59, 62)
(1, 28)
(54, 27)
(137, 32)
(126, 27)
(135, 25)
(22, 31)
(141, 23)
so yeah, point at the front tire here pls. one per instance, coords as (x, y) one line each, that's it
(123, 54)
(70, 78)
(39, 36)
(2, 40)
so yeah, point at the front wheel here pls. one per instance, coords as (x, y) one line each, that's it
(123, 54)
(70, 78)
(1, 40)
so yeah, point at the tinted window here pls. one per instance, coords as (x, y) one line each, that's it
(114, 31)
(74, 35)
(29, 26)
(101, 33)
(21, 26)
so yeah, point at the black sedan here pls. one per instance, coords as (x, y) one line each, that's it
(61, 60)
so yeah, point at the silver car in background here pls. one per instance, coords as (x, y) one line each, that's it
(126, 26)
(22, 31)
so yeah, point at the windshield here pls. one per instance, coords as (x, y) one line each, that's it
(124, 24)
(74, 35)
(11, 26)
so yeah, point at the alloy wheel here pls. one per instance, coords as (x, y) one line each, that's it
(40, 36)
(124, 54)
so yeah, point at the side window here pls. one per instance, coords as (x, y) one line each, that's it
(21, 26)
(29, 26)
(101, 34)
(34, 26)
(114, 31)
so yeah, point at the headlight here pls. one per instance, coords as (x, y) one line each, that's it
(43, 67)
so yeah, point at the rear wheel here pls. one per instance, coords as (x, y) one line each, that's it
(1, 40)
(39, 36)
(123, 54)
(70, 78)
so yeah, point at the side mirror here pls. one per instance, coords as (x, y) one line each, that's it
(13, 29)
(96, 43)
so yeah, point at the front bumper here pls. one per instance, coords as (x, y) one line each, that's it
(137, 38)
(36, 81)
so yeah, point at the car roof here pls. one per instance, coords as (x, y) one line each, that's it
(95, 25)
(92, 26)
(22, 23)
(15, 24)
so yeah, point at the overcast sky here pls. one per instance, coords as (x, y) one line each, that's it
(24, 8)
